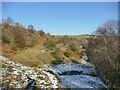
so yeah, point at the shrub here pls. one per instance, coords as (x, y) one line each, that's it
(57, 61)
(103, 52)
(65, 40)
(14, 47)
(17, 35)
(49, 44)
(55, 54)
(41, 32)
(20, 38)
(73, 47)
(7, 37)
(67, 54)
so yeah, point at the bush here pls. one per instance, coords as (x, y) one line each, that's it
(41, 32)
(14, 47)
(65, 40)
(55, 54)
(17, 35)
(103, 52)
(67, 54)
(20, 38)
(73, 47)
(49, 44)
(57, 61)
(7, 37)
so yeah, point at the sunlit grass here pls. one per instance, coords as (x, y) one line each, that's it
(33, 56)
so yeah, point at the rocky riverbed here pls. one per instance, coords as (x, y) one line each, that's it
(65, 75)
(14, 75)
(74, 75)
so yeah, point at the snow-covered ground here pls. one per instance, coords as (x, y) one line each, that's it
(81, 81)
(59, 69)
(85, 57)
(73, 75)
(14, 75)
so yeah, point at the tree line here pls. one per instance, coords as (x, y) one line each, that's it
(17, 36)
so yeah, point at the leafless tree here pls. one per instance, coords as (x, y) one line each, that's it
(103, 51)
(31, 27)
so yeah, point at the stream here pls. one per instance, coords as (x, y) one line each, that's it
(70, 75)
(73, 75)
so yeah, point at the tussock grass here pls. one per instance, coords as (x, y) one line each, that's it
(33, 56)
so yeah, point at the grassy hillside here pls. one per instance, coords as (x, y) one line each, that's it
(33, 56)
(34, 47)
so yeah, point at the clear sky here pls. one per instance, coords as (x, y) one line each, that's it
(61, 18)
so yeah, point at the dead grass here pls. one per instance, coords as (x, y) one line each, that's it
(7, 50)
(33, 56)
(0, 49)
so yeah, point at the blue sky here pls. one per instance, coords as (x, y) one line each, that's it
(62, 18)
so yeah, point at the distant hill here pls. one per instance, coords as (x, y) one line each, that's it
(26, 44)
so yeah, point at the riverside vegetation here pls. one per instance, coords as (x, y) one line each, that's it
(32, 48)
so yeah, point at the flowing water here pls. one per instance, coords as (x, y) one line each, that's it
(74, 75)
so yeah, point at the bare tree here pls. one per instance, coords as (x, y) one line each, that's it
(31, 27)
(8, 21)
(103, 51)
(41, 32)
(17, 24)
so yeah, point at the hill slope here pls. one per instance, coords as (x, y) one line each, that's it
(32, 48)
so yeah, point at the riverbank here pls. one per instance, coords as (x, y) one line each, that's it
(14, 75)
(65, 75)
(75, 75)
